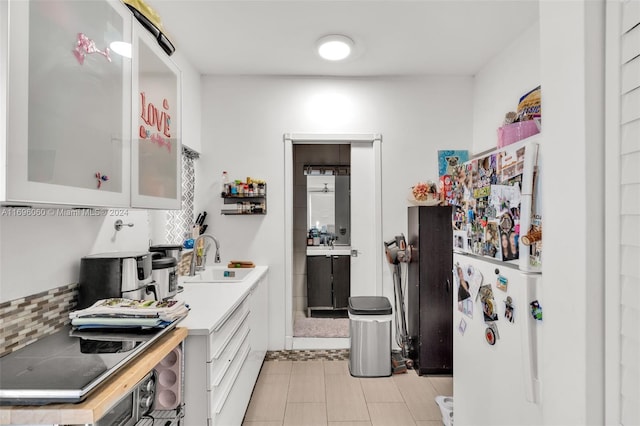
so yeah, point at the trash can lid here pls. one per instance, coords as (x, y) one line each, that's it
(369, 305)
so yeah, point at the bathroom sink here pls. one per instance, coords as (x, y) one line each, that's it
(328, 251)
(219, 275)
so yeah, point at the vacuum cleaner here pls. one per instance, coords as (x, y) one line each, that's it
(397, 253)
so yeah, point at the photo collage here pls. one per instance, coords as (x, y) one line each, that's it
(486, 195)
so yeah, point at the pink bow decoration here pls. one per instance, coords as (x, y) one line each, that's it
(85, 46)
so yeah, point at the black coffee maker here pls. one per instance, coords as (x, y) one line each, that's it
(117, 274)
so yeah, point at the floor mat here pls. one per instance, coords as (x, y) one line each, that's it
(319, 327)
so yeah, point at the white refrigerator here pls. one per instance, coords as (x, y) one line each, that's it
(496, 352)
(498, 296)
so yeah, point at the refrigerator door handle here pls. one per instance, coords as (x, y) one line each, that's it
(448, 286)
(530, 350)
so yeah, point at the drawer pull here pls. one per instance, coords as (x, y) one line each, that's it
(236, 372)
(230, 335)
(232, 355)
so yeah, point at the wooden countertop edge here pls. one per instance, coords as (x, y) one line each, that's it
(104, 397)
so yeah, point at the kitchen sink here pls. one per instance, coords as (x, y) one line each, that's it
(214, 274)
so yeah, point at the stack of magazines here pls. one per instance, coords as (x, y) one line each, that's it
(128, 313)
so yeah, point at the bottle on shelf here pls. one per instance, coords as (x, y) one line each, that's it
(224, 186)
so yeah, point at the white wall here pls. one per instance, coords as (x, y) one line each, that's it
(572, 77)
(40, 253)
(244, 122)
(498, 86)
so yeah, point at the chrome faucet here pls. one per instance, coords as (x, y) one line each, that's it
(192, 266)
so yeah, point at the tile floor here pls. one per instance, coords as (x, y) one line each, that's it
(322, 392)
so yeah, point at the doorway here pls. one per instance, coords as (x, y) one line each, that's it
(361, 153)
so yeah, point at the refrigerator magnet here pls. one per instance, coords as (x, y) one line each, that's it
(536, 310)
(467, 307)
(475, 278)
(489, 310)
(491, 334)
(463, 283)
(508, 309)
(502, 282)
(462, 327)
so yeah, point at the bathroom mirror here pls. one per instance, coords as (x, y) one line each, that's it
(328, 206)
(321, 193)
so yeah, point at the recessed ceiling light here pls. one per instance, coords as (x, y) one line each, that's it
(335, 47)
(121, 48)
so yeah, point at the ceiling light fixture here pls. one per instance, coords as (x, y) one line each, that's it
(335, 47)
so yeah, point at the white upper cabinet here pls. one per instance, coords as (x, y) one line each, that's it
(76, 133)
(156, 148)
(68, 114)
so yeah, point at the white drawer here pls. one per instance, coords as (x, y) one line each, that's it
(218, 367)
(218, 396)
(221, 336)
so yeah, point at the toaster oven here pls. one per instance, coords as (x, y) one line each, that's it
(133, 406)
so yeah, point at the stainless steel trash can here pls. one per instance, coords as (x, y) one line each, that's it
(370, 330)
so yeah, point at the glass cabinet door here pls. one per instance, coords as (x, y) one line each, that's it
(69, 115)
(156, 149)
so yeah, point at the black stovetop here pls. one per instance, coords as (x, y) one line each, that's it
(67, 365)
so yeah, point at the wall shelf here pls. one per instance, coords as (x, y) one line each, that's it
(251, 204)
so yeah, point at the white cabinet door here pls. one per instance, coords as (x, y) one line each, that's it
(259, 301)
(237, 402)
(222, 367)
(156, 148)
(68, 108)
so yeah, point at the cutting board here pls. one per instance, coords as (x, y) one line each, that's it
(241, 264)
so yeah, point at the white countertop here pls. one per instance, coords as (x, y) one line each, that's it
(328, 251)
(212, 303)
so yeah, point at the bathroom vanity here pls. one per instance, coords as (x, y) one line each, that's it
(328, 278)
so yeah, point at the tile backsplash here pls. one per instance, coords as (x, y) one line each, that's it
(27, 319)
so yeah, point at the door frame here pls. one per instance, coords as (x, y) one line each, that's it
(289, 140)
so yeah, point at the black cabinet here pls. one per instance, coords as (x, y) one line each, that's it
(430, 293)
(319, 285)
(341, 273)
(328, 282)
